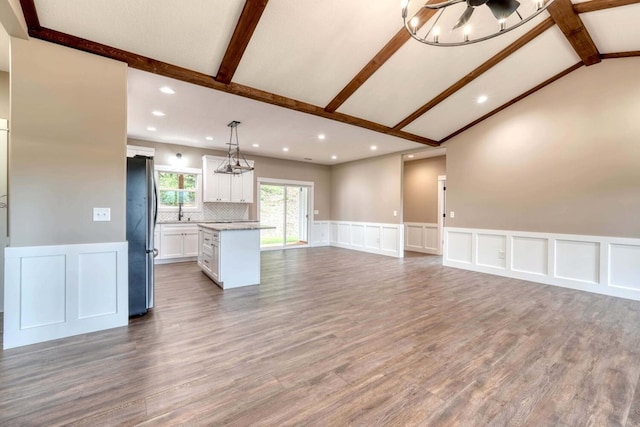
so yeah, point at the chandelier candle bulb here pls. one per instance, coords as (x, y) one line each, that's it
(503, 24)
(414, 24)
(436, 34)
(467, 31)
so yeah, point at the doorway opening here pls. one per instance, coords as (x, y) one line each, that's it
(284, 205)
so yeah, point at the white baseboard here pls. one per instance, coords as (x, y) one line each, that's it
(54, 292)
(422, 237)
(377, 238)
(158, 261)
(599, 264)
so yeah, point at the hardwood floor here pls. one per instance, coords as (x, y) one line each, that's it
(336, 337)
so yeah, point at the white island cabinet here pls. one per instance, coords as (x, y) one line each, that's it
(230, 253)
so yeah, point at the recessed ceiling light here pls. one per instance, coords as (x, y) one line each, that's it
(410, 156)
(167, 90)
(157, 113)
(285, 149)
(334, 157)
(209, 138)
(321, 136)
(255, 145)
(374, 148)
(482, 99)
(151, 129)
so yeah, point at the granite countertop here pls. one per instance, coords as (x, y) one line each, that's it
(196, 222)
(218, 226)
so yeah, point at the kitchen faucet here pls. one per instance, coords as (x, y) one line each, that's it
(180, 213)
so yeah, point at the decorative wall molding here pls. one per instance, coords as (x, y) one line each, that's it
(54, 292)
(377, 238)
(599, 264)
(422, 237)
(320, 233)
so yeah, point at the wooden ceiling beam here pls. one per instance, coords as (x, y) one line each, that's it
(513, 101)
(398, 40)
(616, 55)
(490, 63)
(245, 27)
(571, 25)
(168, 70)
(30, 13)
(593, 5)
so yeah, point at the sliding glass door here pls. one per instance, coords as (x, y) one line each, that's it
(285, 207)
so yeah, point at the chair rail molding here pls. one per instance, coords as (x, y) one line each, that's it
(598, 264)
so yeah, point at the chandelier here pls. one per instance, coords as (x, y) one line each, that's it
(235, 163)
(462, 22)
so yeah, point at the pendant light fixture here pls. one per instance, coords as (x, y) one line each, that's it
(463, 22)
(235, 163)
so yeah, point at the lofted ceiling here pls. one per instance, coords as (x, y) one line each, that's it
(292, 70)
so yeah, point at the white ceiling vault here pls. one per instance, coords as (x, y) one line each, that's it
(301, 55)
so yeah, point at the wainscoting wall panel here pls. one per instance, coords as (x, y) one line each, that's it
(57, 291)
(624, 266)
(378, 238)
(422, 237)
(491, 250)
(529, 255)
(600, 264)
(320, 233)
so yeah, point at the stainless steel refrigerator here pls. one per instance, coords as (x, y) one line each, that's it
(142, 213)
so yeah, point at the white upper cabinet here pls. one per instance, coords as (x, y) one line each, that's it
(220, 187)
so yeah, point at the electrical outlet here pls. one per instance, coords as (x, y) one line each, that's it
(316, 212)
(500, 254)
(102, 214)
(452, 214)
(395, 213)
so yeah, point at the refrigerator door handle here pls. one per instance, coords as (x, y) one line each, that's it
(155, 203)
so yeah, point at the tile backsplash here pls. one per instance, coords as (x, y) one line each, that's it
(211, 212)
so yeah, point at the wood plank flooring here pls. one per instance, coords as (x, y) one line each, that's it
(335, 337)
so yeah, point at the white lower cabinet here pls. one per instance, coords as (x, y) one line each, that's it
(209, 255)
(178, 241)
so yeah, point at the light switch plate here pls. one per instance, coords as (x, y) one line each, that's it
(452, 214)
(102, 214)
(316, 212)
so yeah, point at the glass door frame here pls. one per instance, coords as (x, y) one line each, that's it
(290, 183)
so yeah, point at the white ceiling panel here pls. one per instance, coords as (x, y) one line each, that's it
(616, 29)
(193, 35)
(310, 50)
(194, 113)
(544, 57)
(418, 72)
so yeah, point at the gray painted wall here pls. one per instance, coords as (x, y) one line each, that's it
(67, 147)
(563, 160)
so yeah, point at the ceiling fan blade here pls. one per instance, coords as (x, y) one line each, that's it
(442, 4)
(502, 9)
(464, 18)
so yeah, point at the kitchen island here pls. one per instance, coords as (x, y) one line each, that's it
(229, 253)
